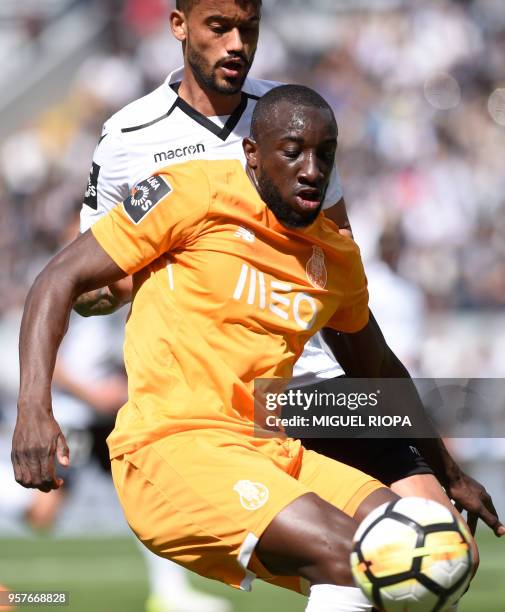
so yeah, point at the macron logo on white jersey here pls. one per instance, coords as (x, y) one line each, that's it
(245, 234)
(163, 156)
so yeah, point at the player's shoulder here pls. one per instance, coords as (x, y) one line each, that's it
(206, 176)
(209, 170)
(142, 111)
(328, 233)
(256, 88)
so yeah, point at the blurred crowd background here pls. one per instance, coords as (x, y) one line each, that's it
(418, 89)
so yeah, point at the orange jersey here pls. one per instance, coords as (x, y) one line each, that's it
(223, 294)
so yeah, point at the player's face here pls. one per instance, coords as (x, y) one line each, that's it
(292, 163)
(220, 42)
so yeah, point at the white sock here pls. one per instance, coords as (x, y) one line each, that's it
(166, 579)
(332, 598)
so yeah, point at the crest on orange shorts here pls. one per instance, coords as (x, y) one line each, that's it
(253, 495)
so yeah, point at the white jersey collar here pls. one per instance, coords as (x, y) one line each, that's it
(175, 76)
(221, 131)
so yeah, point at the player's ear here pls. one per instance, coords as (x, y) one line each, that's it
(251, 152)
(178, 25)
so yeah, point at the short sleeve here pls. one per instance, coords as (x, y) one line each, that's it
(107, 181)
(162, 213)
(334, 192)
(353, 313)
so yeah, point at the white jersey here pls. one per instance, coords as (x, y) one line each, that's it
(162, 129)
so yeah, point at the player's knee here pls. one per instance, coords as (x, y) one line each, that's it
(331, 553)
(333, 567)
(310, 538)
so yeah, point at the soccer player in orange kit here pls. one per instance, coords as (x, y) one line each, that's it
(224, 293)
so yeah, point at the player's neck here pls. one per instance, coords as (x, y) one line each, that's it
(209, 104)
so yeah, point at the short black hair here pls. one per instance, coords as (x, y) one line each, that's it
(297, 95)
(186, 5)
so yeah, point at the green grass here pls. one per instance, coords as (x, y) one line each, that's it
(108, 575)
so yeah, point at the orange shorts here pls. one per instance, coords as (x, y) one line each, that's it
(204, 498)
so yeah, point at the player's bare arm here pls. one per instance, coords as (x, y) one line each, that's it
(82, 266)
(366, 354)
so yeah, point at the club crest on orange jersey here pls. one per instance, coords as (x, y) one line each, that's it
(253, 495)
(144, 197)
(316, 268)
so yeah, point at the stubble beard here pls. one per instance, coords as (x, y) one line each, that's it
(207, 78)
(285, 214)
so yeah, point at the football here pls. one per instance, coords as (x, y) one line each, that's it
(412, 555)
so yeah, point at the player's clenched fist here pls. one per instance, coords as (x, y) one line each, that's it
(35, 444)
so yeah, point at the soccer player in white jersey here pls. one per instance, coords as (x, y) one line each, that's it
(203, 111)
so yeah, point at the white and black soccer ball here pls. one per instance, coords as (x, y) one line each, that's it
(412, 555)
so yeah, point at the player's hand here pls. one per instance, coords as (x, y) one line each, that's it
(470, 495)
(36, 442)
(106, 300)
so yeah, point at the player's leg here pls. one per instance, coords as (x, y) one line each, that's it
(395, 462)
(312, 538)
(353, 494)
(44, 509)
(205, 499)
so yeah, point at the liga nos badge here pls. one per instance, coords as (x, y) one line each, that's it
(253, 495)
(316, 268)
(145, 196)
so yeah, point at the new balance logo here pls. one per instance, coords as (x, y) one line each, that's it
(245, 234)
(255, 289)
